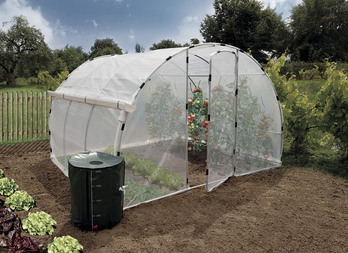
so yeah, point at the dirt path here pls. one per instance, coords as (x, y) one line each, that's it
(281, 210)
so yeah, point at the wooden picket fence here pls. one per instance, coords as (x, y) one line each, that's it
(24, 116)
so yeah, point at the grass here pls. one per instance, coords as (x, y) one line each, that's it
(20, 86)
(320, 158)
(310, 87)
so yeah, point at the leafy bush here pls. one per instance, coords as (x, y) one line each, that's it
(33, 80)
(39, 223)
(49, 82)
(20, 200)
(298, 68)
(332, 106)
(64, 244)
(139, 193)
(7, 186)
(297, 108)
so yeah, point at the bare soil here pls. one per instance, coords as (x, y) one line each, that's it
(280, 210)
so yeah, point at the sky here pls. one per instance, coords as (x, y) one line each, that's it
(127, 22)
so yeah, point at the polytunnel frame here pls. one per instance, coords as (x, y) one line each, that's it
(126, 108)
(188, 77)
(236, 54)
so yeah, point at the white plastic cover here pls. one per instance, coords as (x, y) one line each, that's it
(153, 138)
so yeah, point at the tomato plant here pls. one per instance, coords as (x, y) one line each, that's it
(197, 120)
(163, 114)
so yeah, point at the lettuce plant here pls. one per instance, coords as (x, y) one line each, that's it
(1, 173)
(7, 186)
(39, 223)
(20, 200)
(64, 244)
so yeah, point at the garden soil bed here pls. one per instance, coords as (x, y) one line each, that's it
(280, 210)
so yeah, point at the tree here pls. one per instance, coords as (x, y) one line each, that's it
(71, 56)
(194, 41)
(104, 47)
(33, 62)
(165, 44)
(247, 25)
(320, 30)
(19, 40)
(139, 49)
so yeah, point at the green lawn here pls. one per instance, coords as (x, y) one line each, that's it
(310, 87)
(21, 85)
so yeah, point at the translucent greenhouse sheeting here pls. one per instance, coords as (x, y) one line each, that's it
(221, 137)
(259, 135)
(155, 153)
(153, 138)
(114, 77)
(82, 128)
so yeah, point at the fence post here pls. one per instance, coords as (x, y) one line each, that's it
(22, 116)
(15, 116)
(6, 116)
(11, 116)
(26, 115)
(32, 115)
(1, 119)
(37, 114)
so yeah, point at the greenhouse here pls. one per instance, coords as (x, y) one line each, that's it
(136, 106)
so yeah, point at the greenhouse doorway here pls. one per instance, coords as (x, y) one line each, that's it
(223, 86)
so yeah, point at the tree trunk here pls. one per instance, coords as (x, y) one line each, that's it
(11, 79)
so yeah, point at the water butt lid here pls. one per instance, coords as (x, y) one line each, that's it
(94, 160)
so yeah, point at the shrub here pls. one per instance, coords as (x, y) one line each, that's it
(49, 82)
(332, 106)
(297, 108)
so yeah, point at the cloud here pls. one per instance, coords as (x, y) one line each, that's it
(188, 29)
(62, 30)
(94, 23)
(190, 19)
(11, 8)
(131, 35)
(282, 6)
